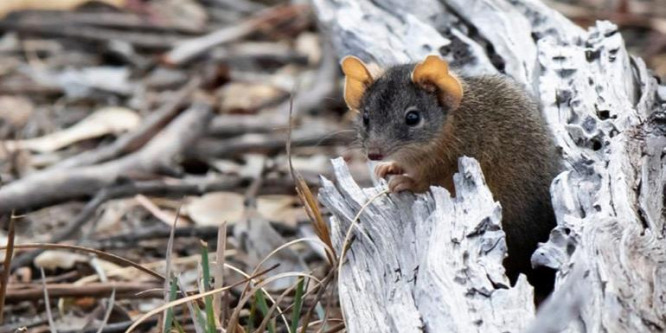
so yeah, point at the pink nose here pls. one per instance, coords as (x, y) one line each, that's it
(375, 156)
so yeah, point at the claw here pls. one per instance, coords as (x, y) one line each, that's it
(387, 168)
(401, 183)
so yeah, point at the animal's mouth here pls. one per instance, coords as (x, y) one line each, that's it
(375, 156)
(382, 154)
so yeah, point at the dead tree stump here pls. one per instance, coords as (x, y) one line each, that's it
(431, 262)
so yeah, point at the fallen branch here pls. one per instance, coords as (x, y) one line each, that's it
(9, 253)
(227, 125)
(135, 139)
(115, 20)
(155, 188)
(94, 289)
(189, 49)
(54, 186)
(149, 40)
(216, 148)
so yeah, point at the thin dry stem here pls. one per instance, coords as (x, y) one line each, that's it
(47, 304)
(189, 299)
(234, 316)
(220, 300)
(110, 304)
(11, 234)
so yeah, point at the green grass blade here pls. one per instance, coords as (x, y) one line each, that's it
(179, 328)
(208, 300)
(298, 304)
(253, 316)
(200, 318)
(173, 291)
(263, 307)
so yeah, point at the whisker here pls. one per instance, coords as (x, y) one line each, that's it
(329, 135)
(349, 150)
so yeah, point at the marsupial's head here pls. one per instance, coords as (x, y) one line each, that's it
(402, 109)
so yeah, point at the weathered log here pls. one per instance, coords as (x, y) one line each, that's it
(425, 261)
(417, 262)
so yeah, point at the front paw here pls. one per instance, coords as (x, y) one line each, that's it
(399, 183)
(384, 169)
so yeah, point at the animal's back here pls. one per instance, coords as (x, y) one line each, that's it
(503, 128)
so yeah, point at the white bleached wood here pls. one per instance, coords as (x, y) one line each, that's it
(608, 116)
(443, 273)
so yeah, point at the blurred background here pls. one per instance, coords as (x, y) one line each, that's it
(145, 111)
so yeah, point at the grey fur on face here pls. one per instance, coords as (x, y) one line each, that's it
(386, 103)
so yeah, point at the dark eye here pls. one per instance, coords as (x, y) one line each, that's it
(412, 118)
(366, 118)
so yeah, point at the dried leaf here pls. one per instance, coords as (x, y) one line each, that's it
(162, 215)
(253, 166)
(15, 110)
(308, 43)
(59, 259)
(281, 208)
(240, 96)
(110, 120)
(311, 206)
(215, 208)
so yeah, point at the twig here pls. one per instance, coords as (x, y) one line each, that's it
(272, 142)
(148, 205)
(337, 328)
(234, 124)
(259, 51)
(192, 48)
(320, 293)
(57, 20)
(309, 203)
(123, 290)
(220, 301)
(243, 6)
(116, 327)
(327, 309)
(120, 241)
(157, 41)
(47, 303)
(6, 269)
(110, 304)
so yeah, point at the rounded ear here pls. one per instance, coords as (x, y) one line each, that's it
(433, 74)
(357, 79)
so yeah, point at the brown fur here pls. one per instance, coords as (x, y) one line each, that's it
(501, 126)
